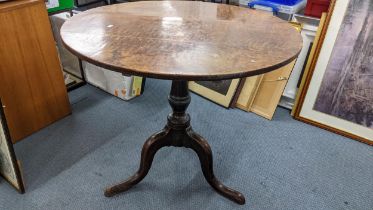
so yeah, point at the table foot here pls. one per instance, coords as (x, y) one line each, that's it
(203, 150)
(178, 133)
(151, 146)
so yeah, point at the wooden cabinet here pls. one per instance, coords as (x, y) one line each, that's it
(31, 82)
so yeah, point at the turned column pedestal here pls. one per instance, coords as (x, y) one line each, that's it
(179, 133)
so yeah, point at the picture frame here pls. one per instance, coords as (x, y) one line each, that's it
(310, 63)
(345, 110)
(307, 29)
(221, 92)
(248, 92)
(261, 94)
(270, 90)
(9, 167)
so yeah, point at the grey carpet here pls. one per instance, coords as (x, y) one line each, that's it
(279, 164)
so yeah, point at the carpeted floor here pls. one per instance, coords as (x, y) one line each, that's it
(279, 164)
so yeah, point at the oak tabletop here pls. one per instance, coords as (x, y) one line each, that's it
(182, 40)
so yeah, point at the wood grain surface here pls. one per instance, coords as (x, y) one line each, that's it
(12, 5)
(185, 40)
(32, 88)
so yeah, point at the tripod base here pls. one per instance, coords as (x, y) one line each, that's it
(178, 133)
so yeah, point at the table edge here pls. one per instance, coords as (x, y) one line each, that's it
(188, 77)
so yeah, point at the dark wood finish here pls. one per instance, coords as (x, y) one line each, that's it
(181, 41)
(185, 40)
(307, 80)
(178, 133)
(32, 86)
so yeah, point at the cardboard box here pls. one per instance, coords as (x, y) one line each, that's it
(115, 83)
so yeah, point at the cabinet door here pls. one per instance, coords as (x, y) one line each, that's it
(31, 82)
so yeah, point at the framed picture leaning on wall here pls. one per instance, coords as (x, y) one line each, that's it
(9, 168)
(220, 92)
(338, 90)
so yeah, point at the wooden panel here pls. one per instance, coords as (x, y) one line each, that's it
(32, 86)
(248, 92)
(270, 91)
(12, 5)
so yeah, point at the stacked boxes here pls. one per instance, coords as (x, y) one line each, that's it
(69, 61)
(122, 86)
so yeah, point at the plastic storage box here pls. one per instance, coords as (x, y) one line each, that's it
(315, 8)
(69, 61)
(283, 11)
(282, 6)
(122, 86)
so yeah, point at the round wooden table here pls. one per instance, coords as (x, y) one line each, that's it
(181, 41)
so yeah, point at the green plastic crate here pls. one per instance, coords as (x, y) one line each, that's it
(63, 5)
